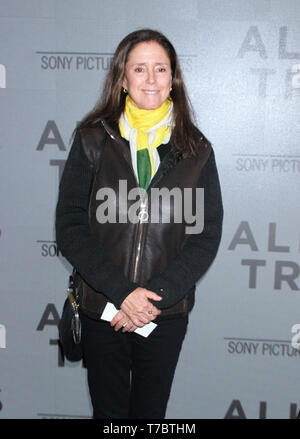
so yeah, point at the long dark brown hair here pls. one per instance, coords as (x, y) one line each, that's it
(185, 137)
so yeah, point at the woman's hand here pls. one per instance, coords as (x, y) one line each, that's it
(121, 320)
(138, 308)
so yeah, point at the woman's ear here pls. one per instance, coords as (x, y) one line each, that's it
(124, 83)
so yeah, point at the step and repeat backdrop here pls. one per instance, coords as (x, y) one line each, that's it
(241, 64)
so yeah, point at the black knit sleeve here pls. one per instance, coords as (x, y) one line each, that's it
(73, 234)
(199, 250)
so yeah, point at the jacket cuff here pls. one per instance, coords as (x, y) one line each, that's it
(119, 297)
(157, 286)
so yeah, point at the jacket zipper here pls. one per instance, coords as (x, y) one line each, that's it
(143, 214)
(140, 233)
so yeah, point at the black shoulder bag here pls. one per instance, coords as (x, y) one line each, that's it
(69, 327)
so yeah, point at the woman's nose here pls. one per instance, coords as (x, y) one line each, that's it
(151, 77)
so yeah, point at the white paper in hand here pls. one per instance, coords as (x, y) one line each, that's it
(110, 311)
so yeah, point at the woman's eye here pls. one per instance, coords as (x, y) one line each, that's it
(162, 69)
(138, 69)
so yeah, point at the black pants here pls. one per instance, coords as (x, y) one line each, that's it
(130, 376)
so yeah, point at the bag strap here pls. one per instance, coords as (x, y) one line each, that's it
(93, 142)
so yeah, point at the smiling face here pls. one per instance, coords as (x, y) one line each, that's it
(148, 75)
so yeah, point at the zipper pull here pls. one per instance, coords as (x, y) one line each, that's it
(143, 213)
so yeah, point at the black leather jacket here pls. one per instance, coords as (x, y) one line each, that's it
(141, 253)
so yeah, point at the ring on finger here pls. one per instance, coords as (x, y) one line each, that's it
(125, 324)
(150, 311)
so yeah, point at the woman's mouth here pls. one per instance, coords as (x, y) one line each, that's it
(150, 92)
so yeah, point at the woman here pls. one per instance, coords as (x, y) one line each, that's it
(138, 138)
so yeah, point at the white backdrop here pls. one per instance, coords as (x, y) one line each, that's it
(241, 63)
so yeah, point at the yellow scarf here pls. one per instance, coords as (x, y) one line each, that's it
(146, 129)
